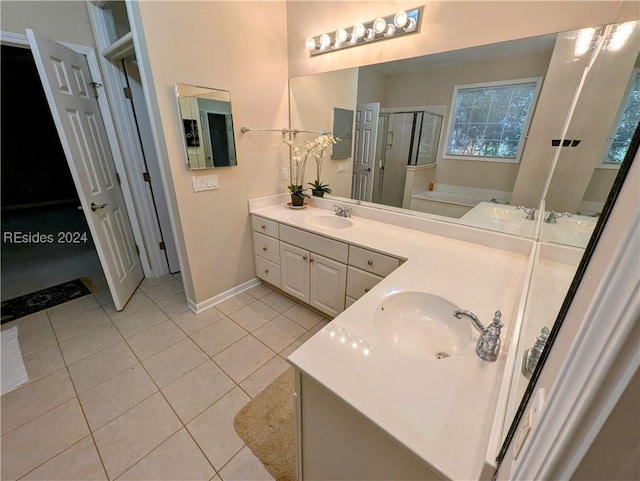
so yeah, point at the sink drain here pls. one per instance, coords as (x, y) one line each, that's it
(441, 355)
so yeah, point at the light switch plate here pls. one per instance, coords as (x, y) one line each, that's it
(343, 167)
(205, 182)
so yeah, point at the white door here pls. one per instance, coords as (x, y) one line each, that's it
(67, 85)
(364, 156)
(294, 271)
(152, 164)
(328, 285)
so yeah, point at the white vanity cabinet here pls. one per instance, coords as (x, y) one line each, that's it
(313, 269)
(366, 269)
(325, 273)
(266, 250)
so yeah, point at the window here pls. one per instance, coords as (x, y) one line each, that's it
(489, 120)
(627, 123)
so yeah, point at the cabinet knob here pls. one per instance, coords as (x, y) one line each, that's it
(304, 258)
(311, 260)
(264, 249)
(266, 271)
(366, 289)
(263, 226)
(370, 262)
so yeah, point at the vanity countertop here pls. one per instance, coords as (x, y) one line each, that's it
(442, 410)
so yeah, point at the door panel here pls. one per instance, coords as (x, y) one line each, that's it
(328, 285)
(67, 85)
(294, 271)
(364, 162)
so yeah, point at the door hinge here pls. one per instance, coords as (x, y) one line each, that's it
(95, 86)
(137, 249)
(127, 92)
(162, 246)
(146, 176)
(118, 179)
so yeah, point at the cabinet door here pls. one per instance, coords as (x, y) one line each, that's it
(328, 285)
(294, 271)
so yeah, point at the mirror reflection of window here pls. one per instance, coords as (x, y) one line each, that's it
(627, 123)
(489, 121)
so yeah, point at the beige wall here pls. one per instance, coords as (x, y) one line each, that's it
(235, 46)
(61, 21)
(312, 99)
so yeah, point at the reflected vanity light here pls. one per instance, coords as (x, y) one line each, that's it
(401, 23)
(620, 36)
(584, 41)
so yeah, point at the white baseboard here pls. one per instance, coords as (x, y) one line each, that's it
(212, 301)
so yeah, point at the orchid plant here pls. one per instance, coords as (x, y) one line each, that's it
(322, 143)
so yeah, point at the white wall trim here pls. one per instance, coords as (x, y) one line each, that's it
(20, 40)
(223, 296)
(596, 370)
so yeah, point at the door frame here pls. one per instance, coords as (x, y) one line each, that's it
(153, 265)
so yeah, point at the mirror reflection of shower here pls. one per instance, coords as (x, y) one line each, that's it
(406, 142)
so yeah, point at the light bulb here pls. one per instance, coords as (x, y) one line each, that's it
(310, 43)
(583, 41)
(379, 25)
(341, 35)
(370, 35)
(400, 19)
(325, 41)
(390, 30)
(353, 39)
(621, 36)
(411, 26)
(359, 30)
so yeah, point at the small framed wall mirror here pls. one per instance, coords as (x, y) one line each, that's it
(207, 126)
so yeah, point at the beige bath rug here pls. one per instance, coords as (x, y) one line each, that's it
(267, 425)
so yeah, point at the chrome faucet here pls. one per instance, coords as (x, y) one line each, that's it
(530, 211)
(342, 211)
(532, 355)
(553, 215)
(488, 345)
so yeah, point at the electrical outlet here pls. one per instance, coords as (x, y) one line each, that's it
(343, 167)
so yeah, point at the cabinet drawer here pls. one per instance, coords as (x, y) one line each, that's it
(268, 271)
(264, 226)
(359, 282)
(267, 247)
(371, 261)
(330, 248)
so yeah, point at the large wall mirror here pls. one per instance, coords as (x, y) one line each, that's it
(207, 122)
(570, 115)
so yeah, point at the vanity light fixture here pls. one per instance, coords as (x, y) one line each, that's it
(401, 23)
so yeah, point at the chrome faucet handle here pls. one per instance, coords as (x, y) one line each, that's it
(529, 211)
(553, 216)
(532, 355)
(488, 346)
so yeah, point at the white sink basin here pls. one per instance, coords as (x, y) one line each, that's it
(501, 213)
(422, 325)
(329, 221)
(579, 225)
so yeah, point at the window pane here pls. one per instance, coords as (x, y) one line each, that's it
(489, 121)
(627, 124)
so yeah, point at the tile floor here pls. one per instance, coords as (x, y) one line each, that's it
(148, 393)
